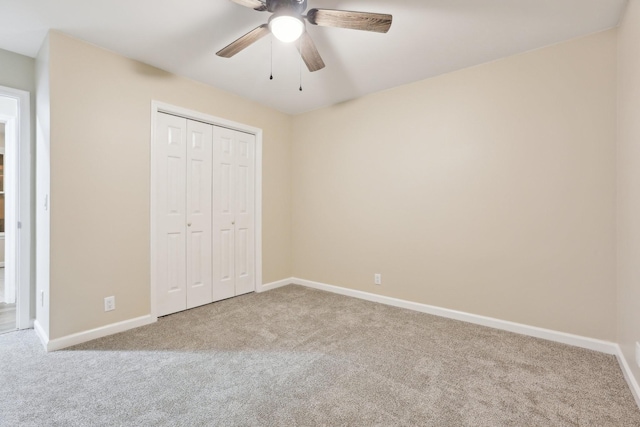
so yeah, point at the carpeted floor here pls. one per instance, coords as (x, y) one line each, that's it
(301, 357)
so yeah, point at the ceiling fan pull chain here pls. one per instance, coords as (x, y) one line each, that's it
(300, 49)
(271, 76)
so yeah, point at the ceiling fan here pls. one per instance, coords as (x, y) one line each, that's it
(287, 24)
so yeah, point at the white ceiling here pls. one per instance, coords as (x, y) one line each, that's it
(427, 38)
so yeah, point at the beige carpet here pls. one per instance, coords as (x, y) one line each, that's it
(300, 357)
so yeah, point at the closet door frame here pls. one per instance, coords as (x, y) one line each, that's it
(161, 107)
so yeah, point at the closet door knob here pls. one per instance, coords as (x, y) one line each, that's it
(188, 224)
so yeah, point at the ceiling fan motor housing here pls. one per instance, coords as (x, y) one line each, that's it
(289, 7)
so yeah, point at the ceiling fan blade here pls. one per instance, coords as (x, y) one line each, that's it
(253, 4)
(309, 53)
(244, 41)
(377, 22)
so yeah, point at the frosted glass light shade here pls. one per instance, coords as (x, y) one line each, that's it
(286, 28)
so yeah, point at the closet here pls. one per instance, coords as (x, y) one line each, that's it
(204, 213)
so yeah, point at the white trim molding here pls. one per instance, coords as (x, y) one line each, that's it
(276, 284)
(40, 333)
(518, 328)
(91, 334)
(628, 375)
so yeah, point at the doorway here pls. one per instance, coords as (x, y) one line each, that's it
(15, 210)
(7, 293)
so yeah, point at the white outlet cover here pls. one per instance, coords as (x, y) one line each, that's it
(638, 354)
(109, 303)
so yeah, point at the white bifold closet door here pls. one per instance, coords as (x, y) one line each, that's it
(184, 213)
(233, 213)
(205, 197)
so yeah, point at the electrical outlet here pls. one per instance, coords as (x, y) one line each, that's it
(377, 279)
(638, 354)
(109, 303)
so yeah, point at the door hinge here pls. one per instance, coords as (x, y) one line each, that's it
(19, 225)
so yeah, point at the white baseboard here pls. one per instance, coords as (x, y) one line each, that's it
(40, 333)
(628, 375)
(519, 328)
(92, 334)
(276, 284)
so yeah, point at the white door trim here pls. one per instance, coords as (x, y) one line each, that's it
(161, 107)
(21, 147)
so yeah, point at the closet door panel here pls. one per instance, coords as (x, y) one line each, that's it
(198, 202)
(244, 213)
(171, 136)
(224, 195)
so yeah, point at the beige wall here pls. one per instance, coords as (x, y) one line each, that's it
(100, 185)
(629, 184)
(490, 190)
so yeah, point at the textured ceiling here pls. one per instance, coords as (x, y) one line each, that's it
(427, 38)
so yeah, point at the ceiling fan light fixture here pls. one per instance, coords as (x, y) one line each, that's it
(286, 28)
